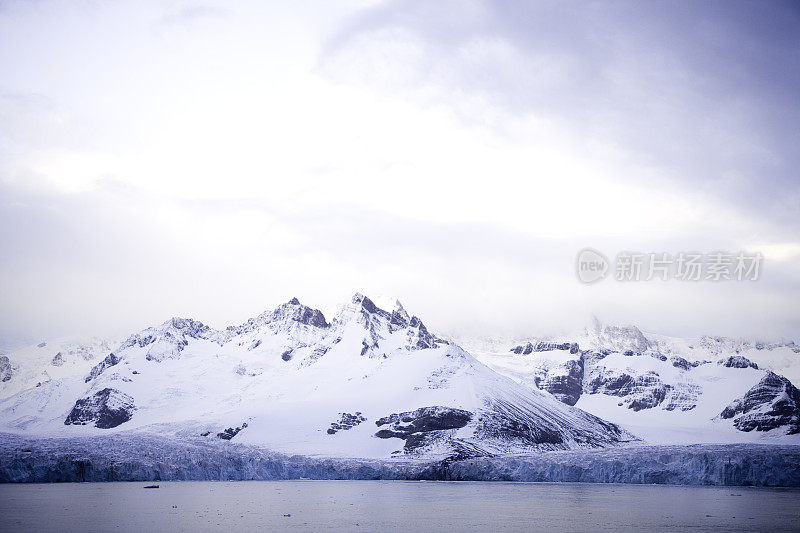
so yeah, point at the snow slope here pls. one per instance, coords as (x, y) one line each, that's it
(52, 360)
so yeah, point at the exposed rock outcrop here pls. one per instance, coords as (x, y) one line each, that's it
(737, 361)
(433, 418)
(772, 403)
(6, 369)
(638, 392)
(286, 317)
(380, 323)
(169, 339)
(680, 362)
(229, 433)
(422, 427)
(109, 361)
(564, 381)
(107, 408)
(528, 348)
(346, 421)
(644, 391)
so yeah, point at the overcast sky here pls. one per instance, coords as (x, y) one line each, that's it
(212, 160)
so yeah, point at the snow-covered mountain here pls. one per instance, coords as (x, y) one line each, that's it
(47, 361)
(665, 390)
(369, 383)
(377, 383)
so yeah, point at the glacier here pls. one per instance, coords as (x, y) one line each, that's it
(136, 457)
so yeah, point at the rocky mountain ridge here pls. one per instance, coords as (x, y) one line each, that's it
(617, 371)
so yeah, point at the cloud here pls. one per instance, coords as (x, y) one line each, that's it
(116, 259)
(705, 92)
(456, 155)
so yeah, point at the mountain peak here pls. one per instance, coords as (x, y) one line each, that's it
(185, 324)
(400, 315)
(294, 311)
(360, 303)
(379, 304)
(364, 301)
(168, 340)
(617, 337)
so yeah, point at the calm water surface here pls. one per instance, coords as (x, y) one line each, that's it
(394, 505)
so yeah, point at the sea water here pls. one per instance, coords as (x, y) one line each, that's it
(393, 505)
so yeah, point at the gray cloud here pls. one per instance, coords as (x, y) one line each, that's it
(704, 90)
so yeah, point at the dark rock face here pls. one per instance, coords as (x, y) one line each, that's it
(107, 408)
(639, 392)
(772, 403)
(570, 378)
(611, 383)
(423, 426)
(423, 419)
(368, 305)
(565, 382)
(58, 359)
(373, 318)
(297, 312)
(529, 348)
(683, 364)
(654, 396)
(418, 335)
(229, 433)
(110, 360)
(643, 391)
(737, 361)
(683, 396)
(680, 362)
(6, 370)
(346, 421)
